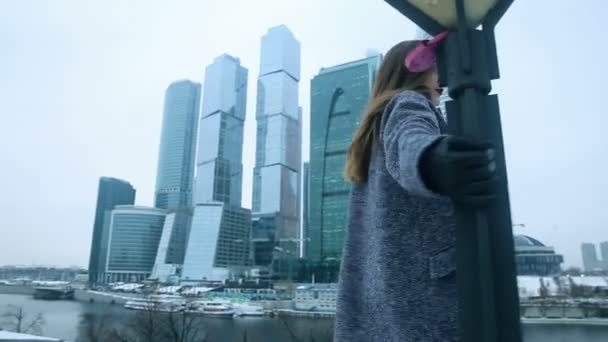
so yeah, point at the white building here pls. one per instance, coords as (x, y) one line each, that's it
(217, 243)
(316, 297)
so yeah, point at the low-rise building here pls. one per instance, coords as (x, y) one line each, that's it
(532, 257)
(316, 297)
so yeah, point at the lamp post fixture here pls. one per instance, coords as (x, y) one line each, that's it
(467, 63)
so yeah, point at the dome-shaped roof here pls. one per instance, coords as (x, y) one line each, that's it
(526, 241)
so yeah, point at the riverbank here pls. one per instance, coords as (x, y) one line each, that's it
(567, 321)
(16, 289)
(65, 319)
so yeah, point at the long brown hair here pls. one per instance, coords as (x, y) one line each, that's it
(392, 78)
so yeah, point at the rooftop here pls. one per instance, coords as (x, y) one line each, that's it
(139, 208)
(366, 60)
(526, 241)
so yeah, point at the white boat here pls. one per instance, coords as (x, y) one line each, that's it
(248, 310)
(162, 303)
(211, 308)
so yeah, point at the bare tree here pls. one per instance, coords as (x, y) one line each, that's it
(325, 336)
(100, 328)
(173, 325)
(149, 325)
(292, 335)
(146, 326)
(183, 327)
(17, 320)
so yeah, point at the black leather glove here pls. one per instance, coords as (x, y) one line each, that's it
(460, 168)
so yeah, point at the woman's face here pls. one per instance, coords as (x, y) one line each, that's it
(432, 83)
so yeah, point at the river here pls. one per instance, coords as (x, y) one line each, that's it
(63, 319)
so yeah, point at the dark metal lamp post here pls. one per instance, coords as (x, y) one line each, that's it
(467, 63)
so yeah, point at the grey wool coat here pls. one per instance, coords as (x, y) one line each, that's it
(397, 279)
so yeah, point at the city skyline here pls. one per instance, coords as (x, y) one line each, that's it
(116, 118)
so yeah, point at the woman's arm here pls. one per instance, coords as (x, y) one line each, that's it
(409, 127)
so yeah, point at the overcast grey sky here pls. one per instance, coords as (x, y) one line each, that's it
(82, 84)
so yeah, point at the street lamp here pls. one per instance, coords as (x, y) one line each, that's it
(467, 63)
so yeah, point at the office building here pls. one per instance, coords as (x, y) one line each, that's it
(339, 96)
(219, 240)
(172, 245)
(305, 206)
(134, 237)
(591, 262)
(218, 243)
(219, 164)
(177, 146)
(110, 193)
(276, 176)
(590, 259)
(604, 252)
(532, 257)
(316, 297)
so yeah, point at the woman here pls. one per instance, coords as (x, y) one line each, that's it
(397, 280)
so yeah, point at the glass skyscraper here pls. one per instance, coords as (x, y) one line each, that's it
(177, 145)
(111, 192)
(276, 184)
(220, 153)
(220, 232)
(305, 207)
(338, 97)
(134, 237)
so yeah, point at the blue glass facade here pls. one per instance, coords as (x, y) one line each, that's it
(111, 192)
(338, 97)
(220, 151)
(276, 179)
(134, 238)
(305, 207)
(177, 145)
